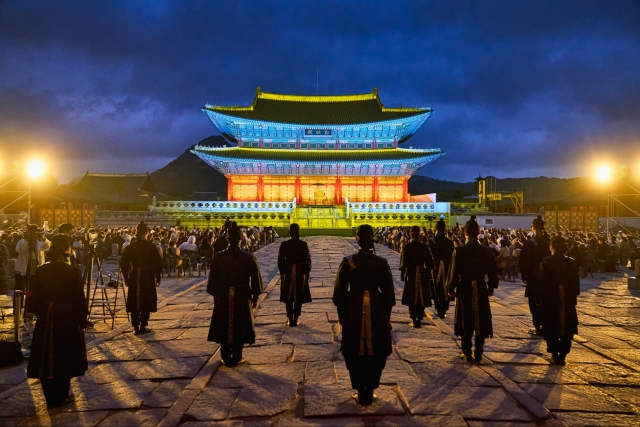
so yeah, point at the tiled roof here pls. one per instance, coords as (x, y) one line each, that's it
(318, 110)
(275, 155)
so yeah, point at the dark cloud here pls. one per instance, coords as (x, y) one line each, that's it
(519, 88)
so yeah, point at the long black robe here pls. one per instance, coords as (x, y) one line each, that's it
(58, 348)
(471, 263)
(442, 250)
(416, 265)
(559, 289)
(533, 251)
(358, 274)
(294, 253)
(234, 282)
(141, 268)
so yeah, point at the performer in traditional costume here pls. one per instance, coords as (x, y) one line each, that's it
(470, 264)
(236, 284)
(442, 250)
(533, 251)
(142, 271)
(58, 350)
(416, 271)
(294, 263)
(364, 296)
(559, 290)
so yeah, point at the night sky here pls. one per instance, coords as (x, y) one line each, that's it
(519, 88)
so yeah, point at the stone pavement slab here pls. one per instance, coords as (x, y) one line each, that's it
(581, 419)
(580, 398)
(334, 399)
(311, 353)
(177, 348)
(547, 374)
(483, 403)
(525, 358)
(165, 395)
(267, 354)
(422, 420)
(453, 373)
(182, 367)
(67, 419)
(111, 396)
(104, 373)
(145, 417)
(213, 404)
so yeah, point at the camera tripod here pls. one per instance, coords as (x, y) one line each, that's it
(109, 305)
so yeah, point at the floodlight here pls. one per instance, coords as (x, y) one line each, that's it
(604, 173)
(35, 168)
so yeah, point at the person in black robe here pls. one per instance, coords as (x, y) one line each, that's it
(442, 250)
(236, 284)
(294, 263)
(416, 271)
(533, 251)
(58, 350)
(559, 290)
(142, 270)
(221, 242)
(470, 264)
(364, 295)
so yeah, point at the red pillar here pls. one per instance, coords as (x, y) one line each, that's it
(405, 190)
(260, 189)
(298, 190)
(374, 190)
(338, 191)
(230, 188)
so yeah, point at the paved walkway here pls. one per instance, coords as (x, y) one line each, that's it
(296, 376)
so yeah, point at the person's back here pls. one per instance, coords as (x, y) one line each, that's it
(364, 296)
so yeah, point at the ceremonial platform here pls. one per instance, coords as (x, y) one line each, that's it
(322, 161)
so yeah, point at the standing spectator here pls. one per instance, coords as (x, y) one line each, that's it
(442, 250)
(58, 351)
(31, 253)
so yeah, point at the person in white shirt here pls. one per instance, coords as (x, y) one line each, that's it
(24, 265)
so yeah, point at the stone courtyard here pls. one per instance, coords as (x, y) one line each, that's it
(296, 376)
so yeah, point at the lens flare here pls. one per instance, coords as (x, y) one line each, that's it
(35, 168)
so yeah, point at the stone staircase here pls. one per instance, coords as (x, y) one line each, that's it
(322, 217)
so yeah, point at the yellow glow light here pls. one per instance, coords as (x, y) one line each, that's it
(604, 173)
(35, 168)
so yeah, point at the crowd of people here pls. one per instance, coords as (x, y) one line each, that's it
(462, 264)
(177, 246)
(591, 251)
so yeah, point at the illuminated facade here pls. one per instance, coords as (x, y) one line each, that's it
(318, 150)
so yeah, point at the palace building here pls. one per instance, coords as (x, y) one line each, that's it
(335, 160)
